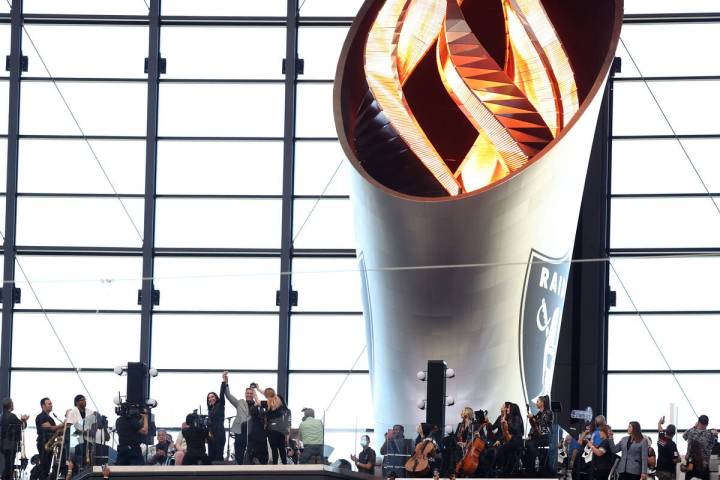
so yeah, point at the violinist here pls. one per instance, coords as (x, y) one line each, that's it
(542, 423)
(511, 432)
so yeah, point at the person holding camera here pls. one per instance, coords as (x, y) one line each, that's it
(278, 425)
(216, 419)
(667, 453)
(131, 427)
(196, 435)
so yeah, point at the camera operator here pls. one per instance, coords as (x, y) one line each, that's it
(131, 427)
(196, 435)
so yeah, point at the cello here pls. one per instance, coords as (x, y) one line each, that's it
(418, 463)
(472, 451)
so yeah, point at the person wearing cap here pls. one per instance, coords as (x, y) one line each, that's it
(310, 434)
(700, 434)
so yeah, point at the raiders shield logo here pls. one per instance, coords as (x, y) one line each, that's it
(540, 317)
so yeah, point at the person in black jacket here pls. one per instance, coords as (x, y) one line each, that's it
(216, 417)
(509, 450)
(12, 427)
(255, 438)
(278, 425)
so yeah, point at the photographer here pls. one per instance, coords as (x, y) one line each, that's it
(196, 435)
(131, 427)
(668, 455)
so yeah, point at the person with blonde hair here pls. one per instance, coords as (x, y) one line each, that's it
(278, 425)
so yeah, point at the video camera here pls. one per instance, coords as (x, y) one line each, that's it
(126, 409)
(199, 421)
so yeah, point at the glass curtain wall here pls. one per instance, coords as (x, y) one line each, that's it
(665, 220)
(220, 157)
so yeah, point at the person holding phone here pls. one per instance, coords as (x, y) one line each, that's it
(667, 452)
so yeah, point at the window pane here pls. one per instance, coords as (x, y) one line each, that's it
(218, 223)
(352, 406)
(229, 333)
(670, 6)
(652, 45)
(4, 94)
(667, 283)
(115, 7)
(665, 222)
(319, 165)
(100, 108)
(325, 223)
(228, 168)
(86, 50)
(5, 32)
(87, 222)
(3, 165)
(320, 48)
(225, 8)
(315, 111)
(327, 284)
(223, 52)
(173, 407)
(645, 406)
(29, 387)
(92, 282)
(330, 8)
(82, 335)
(217, 283)
(674, 333)
(68, 166)
(343, 341)
(689, 105)
(222, 110)
(660, 166)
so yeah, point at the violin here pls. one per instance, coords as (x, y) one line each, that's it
(506, 430)
(418, 462)
(534, 425)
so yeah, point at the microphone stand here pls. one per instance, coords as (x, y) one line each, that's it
(227, 450)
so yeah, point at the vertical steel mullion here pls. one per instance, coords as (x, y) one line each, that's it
(16, 32)
(607, 197)
(153, 76)
(287, 198)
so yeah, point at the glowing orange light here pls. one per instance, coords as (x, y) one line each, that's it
(516, 109)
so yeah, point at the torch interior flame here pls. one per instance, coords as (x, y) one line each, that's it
(516, 109)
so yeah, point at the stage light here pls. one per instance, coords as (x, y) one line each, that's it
(421, 375)
(119, 370)
(450, 373)
(421, 404)
(153, 372)
(116, 399)
(449, 401)
(448, 429)
(151, 402)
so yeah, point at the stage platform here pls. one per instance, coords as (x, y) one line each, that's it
(220, 472)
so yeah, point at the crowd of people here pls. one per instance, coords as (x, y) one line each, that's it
(261, 434)
(595, 454)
